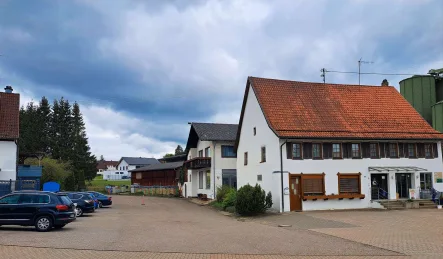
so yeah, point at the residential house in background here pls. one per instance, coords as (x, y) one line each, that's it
(9, 133)
(104, 165)
(211, 160)
(322, 146)
(159, 174)
(176, 158)
(125, 164)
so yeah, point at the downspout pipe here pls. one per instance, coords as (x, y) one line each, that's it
(281, 176)
(213, 156)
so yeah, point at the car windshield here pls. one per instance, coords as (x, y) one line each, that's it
(65, 199)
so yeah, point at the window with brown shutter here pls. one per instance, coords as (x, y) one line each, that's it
(435, 149)
(307, 150)
(316, 151)
(313, 184)
(365, 149)
(374, 151)
(296, 151)
(411, 150)
(420, 150)
(337, 151)
(401, 151)
(393, 150)
(428, 150)
(327, 150)
(347, 150)
(382, 150)
(349, 183)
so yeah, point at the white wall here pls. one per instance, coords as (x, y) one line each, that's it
(8, 160)
(253, 117)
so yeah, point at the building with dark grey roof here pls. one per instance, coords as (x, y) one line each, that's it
(211, 159)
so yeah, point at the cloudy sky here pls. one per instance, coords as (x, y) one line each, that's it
(142, 69)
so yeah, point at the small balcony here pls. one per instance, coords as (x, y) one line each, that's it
(198, 162)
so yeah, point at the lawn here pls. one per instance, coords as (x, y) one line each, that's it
(99, 182)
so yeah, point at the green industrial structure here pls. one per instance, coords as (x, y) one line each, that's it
(425, 94)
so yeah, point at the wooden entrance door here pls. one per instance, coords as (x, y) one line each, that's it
(295, 192)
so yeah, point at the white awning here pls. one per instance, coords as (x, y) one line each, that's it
(400, 169)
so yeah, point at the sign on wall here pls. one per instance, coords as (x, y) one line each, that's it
(438, 177)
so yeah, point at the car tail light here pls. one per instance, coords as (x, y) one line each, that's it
(62, 207)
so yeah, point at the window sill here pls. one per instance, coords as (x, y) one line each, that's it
(337, 158)
(298, 158)
(332, 197)
(317, 158)
(357, 158)
(262, 162)
(228, 157)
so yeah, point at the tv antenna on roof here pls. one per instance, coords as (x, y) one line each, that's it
(359, 66)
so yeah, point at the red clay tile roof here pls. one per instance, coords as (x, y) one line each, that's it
(104, 164)
(316, 110)
(9, 115)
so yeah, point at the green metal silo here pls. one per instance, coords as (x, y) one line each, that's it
(437, 116)
(439, 89)
(420, 92)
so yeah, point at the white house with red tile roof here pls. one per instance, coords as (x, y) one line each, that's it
(326, 146)
(9, 133)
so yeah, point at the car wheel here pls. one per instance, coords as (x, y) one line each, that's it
(43, 224)
(79, 212)
(59, 226)
(100, 204)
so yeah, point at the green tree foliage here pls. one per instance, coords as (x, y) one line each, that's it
(53, 170)
(222, 191)
(168, 155)
(252, 200)
(231, 199)
(179, 150)
(59, 132)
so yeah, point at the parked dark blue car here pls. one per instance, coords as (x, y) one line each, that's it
(103, 200)
(44, 210)
(83, 201)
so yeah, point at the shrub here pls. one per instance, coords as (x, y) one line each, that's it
(252, 200)
(222, 191)
(230, 199)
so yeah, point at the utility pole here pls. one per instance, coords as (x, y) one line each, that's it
(359, 69)
(323, 74)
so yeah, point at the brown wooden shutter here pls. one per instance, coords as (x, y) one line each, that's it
(345, 150)
(313, 186)
(366, 151)
(420, 150)
(289, 150)
(307, 150)
(349, 148)
(401, 150)
(349, 184)
(387, 151)
(435, 149)
(382, 150)
(327, 150)
(406, 150)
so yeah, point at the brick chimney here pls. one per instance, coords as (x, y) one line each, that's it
(385, 82)
(8, 89)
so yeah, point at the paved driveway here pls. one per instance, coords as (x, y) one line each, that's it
(176, 228)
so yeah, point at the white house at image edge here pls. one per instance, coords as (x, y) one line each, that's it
(211, 160)
(9, 133)
(125, 164)
(335, 146)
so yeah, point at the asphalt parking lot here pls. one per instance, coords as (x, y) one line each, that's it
(168, 227)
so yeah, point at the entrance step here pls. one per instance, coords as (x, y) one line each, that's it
(427, 204)
(393, 205)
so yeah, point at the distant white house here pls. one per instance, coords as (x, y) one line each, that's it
(125, 164)
(9, 133)
(106, 166)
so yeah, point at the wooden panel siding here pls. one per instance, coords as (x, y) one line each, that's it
(155, 178)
